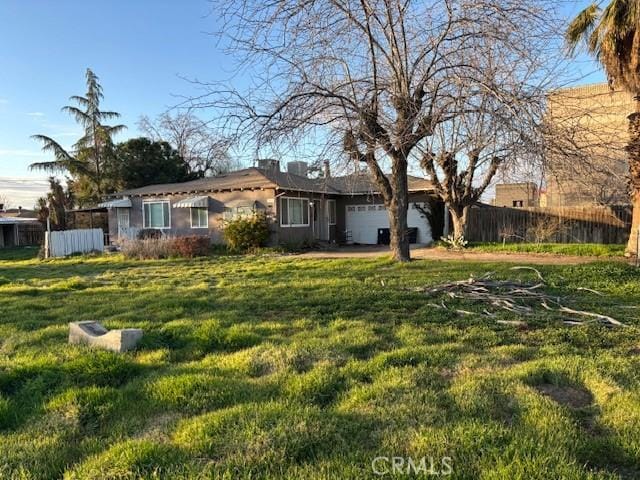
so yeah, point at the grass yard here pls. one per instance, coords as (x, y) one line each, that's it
(268, 367)
(579, 249)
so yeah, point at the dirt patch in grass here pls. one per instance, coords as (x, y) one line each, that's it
(468, 255)
(571, 397)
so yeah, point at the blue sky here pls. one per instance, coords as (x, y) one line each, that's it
(140, 49)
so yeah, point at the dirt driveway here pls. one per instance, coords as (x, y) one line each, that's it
(470, 256)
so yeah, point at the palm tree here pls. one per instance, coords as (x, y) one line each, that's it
(55, 205)
(612, 35)
(88, 155)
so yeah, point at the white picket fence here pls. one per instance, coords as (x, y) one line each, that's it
(67, 242)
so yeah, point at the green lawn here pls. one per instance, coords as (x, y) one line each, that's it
(269, 367)
(580, 249)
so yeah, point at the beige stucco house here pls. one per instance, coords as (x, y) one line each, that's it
(299, 208)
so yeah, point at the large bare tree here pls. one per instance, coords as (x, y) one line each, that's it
(368, 79)
(204, 150)
(493, 122)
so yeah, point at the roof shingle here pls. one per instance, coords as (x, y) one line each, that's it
(257, 178)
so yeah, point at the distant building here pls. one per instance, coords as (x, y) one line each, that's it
(17, 212)
(19, 227)
(517, 195)
(585, 158)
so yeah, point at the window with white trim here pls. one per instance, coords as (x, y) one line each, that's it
(156, 214)
(294, 212)
(199, 217)
(331, 206)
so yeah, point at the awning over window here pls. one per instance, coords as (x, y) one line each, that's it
(117, 203)
(193, 202)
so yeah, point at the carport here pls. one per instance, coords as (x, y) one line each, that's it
(12, 227)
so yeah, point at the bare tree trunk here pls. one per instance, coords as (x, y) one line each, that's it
(459, 219)
(633, 150)
(398, 218)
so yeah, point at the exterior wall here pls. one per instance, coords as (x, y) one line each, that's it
(511, 194)
(320, 231)
(181, 217)
(587, 162)
(181, 220)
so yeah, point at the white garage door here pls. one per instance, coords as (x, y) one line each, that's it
(363, 221)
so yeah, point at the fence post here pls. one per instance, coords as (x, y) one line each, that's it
(445, 229)
(638, 247)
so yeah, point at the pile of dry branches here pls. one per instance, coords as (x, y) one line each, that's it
(513, 296)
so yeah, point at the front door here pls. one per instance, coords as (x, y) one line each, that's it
(123, 222)
(317, 220)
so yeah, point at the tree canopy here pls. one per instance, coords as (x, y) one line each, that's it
(86, 159)
(141, 161)
(371, 81)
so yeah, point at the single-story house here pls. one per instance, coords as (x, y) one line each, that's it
(332, 209)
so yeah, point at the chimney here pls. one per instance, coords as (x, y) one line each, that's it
(298, 168)
(326, 169)
(269, 164)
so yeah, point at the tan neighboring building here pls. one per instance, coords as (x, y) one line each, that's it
(516, 195)
(586, 159)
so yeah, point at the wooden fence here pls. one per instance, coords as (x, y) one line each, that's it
(67, 242)
(30, 234)
(550, 224)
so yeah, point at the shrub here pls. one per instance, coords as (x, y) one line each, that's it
(165, 247)
(189, 247)
(149, 233)
(150, 248)
(454, 243)
(246, 233)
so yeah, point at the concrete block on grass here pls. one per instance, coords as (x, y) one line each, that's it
(93, 334)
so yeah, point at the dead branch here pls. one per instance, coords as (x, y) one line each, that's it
(532, 269)
(516, 297)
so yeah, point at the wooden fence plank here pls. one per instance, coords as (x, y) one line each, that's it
(557, 225)
(68, 242)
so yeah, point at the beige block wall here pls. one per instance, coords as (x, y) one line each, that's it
(586, 160)
(506, 194)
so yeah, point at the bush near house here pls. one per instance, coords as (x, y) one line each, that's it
(166, 247)
(149, 233)
(244, 234)
(189, 247)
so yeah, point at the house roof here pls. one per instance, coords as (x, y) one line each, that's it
(16, 220)
(18, 212)
(249, 178)
(363, 183)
